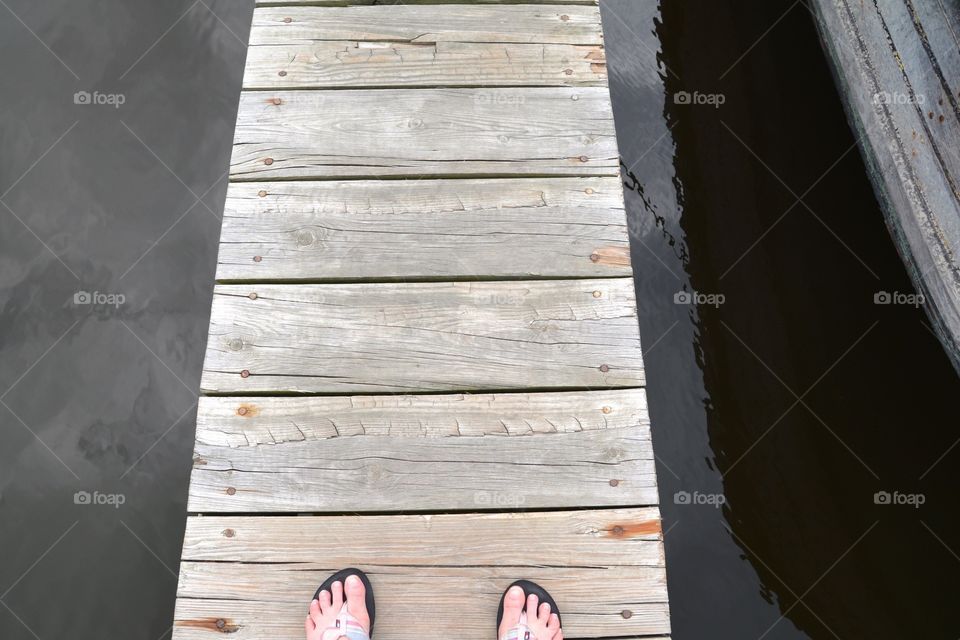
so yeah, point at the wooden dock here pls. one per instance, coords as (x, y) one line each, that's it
(424, 357)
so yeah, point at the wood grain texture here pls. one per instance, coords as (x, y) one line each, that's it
(383, 453)
(347, 63)
(254, 573)
(409, 337)
(423, 229)
(421, 132)
(400, 22)
(345, 3)
(258, 601)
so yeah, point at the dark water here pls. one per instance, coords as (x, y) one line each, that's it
(799, 549)
(101, 397)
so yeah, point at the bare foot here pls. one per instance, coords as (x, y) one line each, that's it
(540, 621)
(325, 612)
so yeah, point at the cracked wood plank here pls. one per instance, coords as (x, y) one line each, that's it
(346, 3)
(382, 133)
(255, 573)
(367, 229)
(333, 64)
(384, 453)
(409, 337)
(408, 23)
(267, 601)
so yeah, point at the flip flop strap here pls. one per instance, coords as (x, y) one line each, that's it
(345, 625)
(519, 632)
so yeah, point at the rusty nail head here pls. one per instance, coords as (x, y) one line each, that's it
(617, 530)
(614, 483)
(231, 491)
(245, 374)
(257, 258)
(268, 161)
(229, 533)
(627, 614)
(221, 623)
(594, 257)
(604, 368)
(564, 17)
(262, 194)
(276, 101)
(607, 409)
(288, 20)
(252, 296)
(569, 72)
(282, 74)
(242, 411)
(584, 158)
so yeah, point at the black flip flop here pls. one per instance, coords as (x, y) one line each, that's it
(528, 588)
(342, 576)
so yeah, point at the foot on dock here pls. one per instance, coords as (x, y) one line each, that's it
(340, 613)
(525, 617)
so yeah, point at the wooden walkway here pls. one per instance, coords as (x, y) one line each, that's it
(424, 356)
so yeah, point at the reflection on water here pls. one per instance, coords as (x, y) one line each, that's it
(115, 141)
(785, 402)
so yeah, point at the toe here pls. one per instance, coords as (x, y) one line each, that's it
(532, 602)
(357, 600)
(543, 613)
(315, 613)
(309, 625)
(325, 602)
(553, 625)
(336, 599)
(513, 603)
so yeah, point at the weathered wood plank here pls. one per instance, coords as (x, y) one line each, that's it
(577, 25)
(395, 453)
(333, 64)
(598, 563)
(267, 600)
(345, 3)
(421, 132)
(424, 229)
(449, 336)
